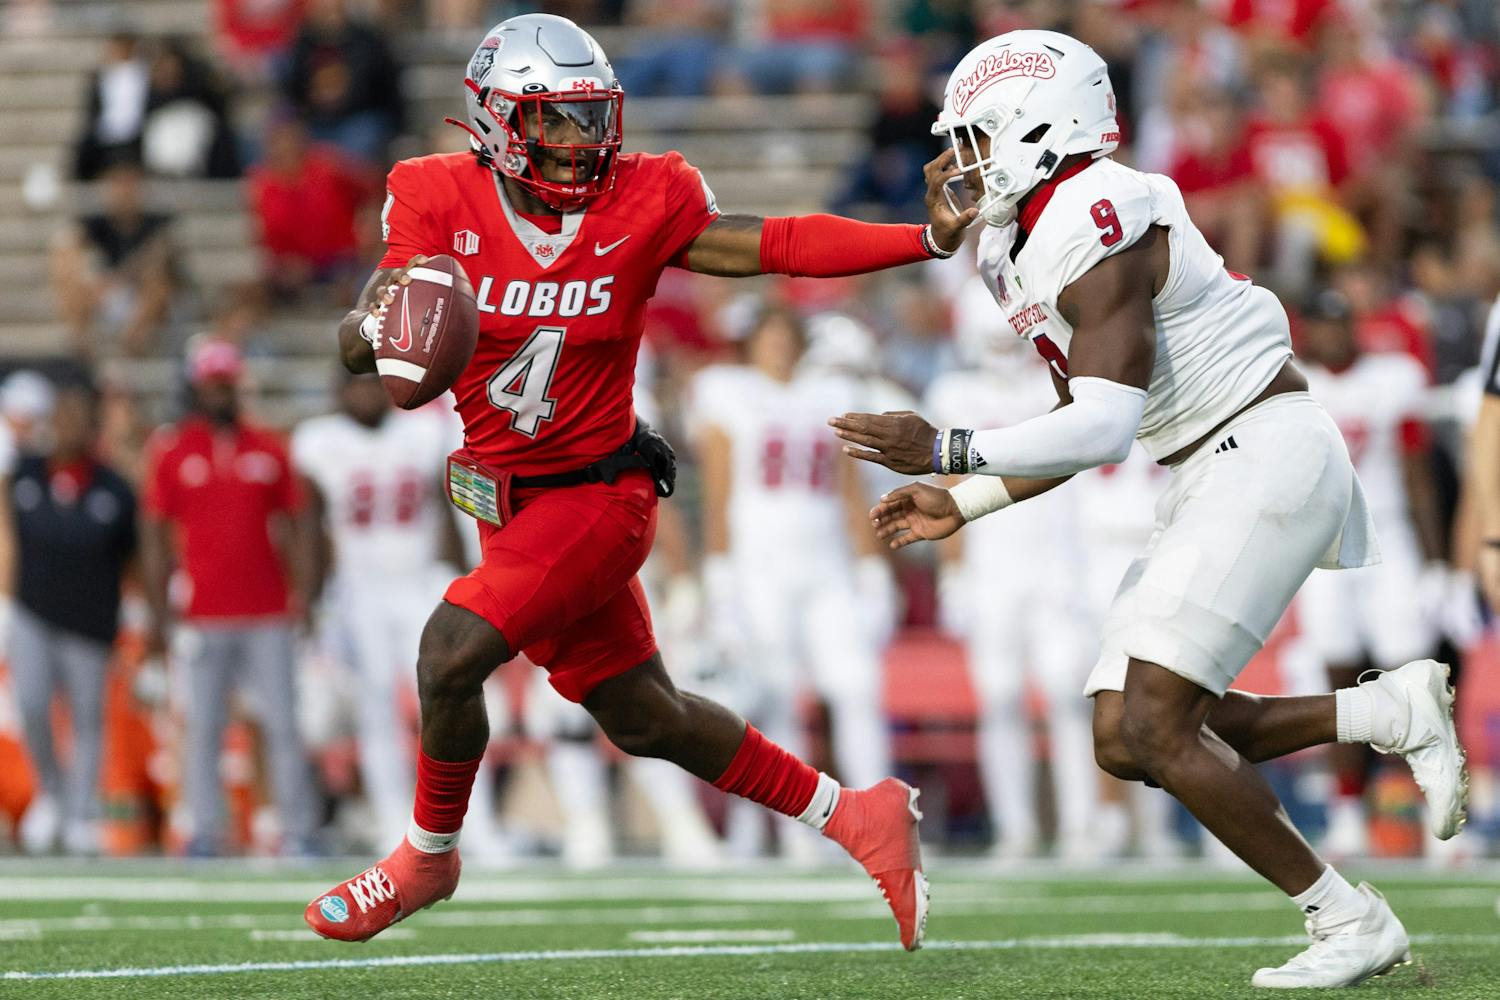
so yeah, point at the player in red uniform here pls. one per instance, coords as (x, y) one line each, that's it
(564, 239)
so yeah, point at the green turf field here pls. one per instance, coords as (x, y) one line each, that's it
(161, 929)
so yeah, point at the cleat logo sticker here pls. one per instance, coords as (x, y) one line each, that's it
(334, 909)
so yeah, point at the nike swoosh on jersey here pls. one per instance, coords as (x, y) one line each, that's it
(600, 251)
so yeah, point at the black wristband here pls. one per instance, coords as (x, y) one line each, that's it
(929, 243)
(956, 461)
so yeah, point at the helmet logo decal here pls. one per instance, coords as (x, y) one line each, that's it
(999, 66)
(484, 58)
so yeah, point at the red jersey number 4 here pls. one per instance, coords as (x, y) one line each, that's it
(523, 385)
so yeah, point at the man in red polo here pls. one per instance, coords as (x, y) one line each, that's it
(219, 552)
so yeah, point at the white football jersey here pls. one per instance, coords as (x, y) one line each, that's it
(380, 488)
(1378, 405)
(1219, 338)
(785, 502)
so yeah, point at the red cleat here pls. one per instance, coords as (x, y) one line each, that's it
(407, 881)
(878, 827)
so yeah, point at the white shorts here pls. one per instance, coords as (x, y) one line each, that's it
(1372, 612)
(1243, 522)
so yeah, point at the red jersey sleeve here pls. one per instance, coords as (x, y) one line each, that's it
(158, 497)
(688, 209)
(406, 221)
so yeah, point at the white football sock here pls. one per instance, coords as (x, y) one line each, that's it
(1367, 714)
(824, 801)
(431, 843)
(1331, 902)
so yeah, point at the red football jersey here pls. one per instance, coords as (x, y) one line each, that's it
(560, 315)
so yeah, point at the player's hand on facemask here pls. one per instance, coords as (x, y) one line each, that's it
(915, 513)
(948, 225)
(901, 440)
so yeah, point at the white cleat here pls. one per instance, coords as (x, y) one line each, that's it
(41, 825)
(1429, 741)
(1371, 946)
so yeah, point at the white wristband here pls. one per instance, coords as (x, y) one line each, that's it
(369, 329)
(980, 495)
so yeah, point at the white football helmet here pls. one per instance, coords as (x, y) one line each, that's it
(1039, 96)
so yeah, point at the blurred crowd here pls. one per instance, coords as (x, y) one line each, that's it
(1345, 153)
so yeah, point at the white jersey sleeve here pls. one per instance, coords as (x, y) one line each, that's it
(1091, 217)
(1220, 339)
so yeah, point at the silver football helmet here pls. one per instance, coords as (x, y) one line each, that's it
(542, 99)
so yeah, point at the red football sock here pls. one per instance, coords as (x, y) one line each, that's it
(763, 772)
(443, 793)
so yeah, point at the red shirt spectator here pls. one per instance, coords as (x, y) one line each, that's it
(1370, 102)
(1283, 20)
(305, 200)
(1307, 155)
(1211, 171)
(801, 20)
(1398, 326)
(220, 486)
(259, 28)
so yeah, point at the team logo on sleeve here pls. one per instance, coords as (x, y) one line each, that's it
(466, 242)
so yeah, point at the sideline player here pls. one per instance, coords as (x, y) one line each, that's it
(1147, 336)
(388, 547)
(564, 239)
(1017, 626)
(1373, 616)
(784, 529)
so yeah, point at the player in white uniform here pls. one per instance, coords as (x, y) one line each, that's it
(784, 527)
(1018, 627)
(1149, 338)
(1373, 616)
(372, 474)
(576, 759)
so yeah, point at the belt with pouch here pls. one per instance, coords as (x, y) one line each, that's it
(484, 494)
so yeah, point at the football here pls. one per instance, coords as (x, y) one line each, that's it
(428, 334)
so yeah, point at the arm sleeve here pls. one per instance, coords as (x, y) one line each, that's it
(1096, 429)
(690, 207)
(405, 222)
(830, 246)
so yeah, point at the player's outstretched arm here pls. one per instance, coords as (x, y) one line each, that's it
(924, 513)
(830, 246)
(1111, 356)
(356, 339)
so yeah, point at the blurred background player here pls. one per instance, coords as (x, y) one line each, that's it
(1380, 616)
(67, 539)
(387, 546)
(578, 761)
(1020, 629)
(225, 567)
(784, 532)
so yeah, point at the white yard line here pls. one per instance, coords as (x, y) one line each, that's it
(711, 935)
(390, 933)
(27, 928)
(1081, 941)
